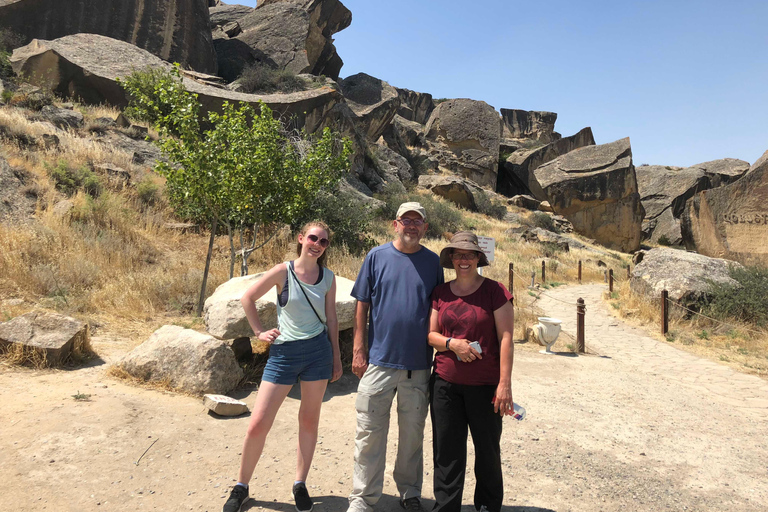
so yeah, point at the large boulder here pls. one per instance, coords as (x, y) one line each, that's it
(685, 275)
(52, 334)
(296, 35)
(390, 169)
(516, 175)
(463, 136)
(174, 30)
(731, 221)
(373, 101)
(188, 360)
(223, 14)
(415, 106)
(595, 188)
(16, 204)
(459, 191)
(225, 318)
(86, 66)
(524, 124)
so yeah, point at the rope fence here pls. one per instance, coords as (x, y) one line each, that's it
(665, 316)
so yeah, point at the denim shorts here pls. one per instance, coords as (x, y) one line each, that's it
(307, 360)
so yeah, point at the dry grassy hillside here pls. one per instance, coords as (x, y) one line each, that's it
(114, 260)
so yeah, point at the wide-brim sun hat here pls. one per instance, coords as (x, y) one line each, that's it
(467, 241)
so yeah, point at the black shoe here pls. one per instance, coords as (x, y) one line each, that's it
(237, 497)
(412, 504)
(301, 497)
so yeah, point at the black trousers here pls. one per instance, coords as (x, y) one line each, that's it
(455, 408)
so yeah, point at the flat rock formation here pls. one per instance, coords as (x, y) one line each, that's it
(516, 175)
(174, 30)
(225, 318)
(86, 66)
(415, 106)
(53, 334)
(459, 191)
(188, 360)
(731, 221)
(595, 188)
(462, 135)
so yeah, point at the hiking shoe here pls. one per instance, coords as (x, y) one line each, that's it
(237, 497)
(412, 504)
(301, 497)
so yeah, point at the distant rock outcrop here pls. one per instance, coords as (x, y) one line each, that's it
(295, 35)
(462, 135)
(684, 275)
(373, 101)
(415, 106)
(188, 360)
(524, 124)
(86, 66)
(516, 175)
(223, 14)
(731, 221)
(595, 188)
(174, 30)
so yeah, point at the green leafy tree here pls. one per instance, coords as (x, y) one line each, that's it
(244, 171)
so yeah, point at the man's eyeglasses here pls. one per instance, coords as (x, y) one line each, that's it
(322, 242)
(469, 256)
(411, 222)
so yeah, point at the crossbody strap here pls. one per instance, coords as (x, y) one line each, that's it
(305, 293)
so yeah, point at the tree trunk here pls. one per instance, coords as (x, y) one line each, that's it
(214, 225)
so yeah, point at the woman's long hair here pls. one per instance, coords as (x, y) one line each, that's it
(315, 224)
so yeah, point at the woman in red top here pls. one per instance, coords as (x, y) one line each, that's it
(471, 389)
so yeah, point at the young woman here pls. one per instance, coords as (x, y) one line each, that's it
(304, 347)
(470, 388)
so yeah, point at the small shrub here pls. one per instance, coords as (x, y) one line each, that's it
(703, 335)
(490, 207)
(148, 191)
(7, 96)
(8, 41)
(616, 305)
(349, 220)
(259, 77)
(745, 301)
(543, 221)
(69, 180)
(664, 240)
(442, 217)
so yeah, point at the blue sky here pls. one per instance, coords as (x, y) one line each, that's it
(687, 81)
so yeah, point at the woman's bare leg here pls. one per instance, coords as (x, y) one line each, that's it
(309, 418)
(268, 401)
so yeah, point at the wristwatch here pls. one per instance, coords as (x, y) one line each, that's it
(448, 344)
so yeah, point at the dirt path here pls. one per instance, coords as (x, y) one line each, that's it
(641, 426)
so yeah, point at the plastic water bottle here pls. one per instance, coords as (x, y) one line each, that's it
(518, 412)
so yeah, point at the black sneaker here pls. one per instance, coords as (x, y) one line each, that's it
(237, 497)
(412, 504)
(301, 497)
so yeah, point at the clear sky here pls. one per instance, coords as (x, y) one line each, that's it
(687, 81)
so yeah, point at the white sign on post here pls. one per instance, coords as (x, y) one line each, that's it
(487, 245)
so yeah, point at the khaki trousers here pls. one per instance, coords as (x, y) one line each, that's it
(375, 393)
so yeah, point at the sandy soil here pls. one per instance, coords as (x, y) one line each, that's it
(601, 434)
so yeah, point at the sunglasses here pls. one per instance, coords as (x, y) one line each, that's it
(322, 242)
(471, 256)
(408, 222)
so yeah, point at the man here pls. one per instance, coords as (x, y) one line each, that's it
(394, 284)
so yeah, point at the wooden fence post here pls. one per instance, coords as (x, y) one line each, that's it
(579, 271)
(543, 272)
(581, 311)
(664, 312)
(533, 278)
(610, 280)
(629, 271)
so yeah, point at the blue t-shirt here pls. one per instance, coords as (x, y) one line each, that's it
(398, 287)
